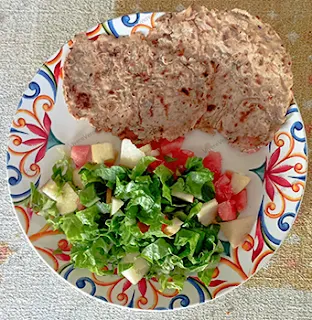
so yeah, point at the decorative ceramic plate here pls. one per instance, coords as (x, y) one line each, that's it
(42, 123)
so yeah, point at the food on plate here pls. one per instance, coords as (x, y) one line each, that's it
(130, 154)
(208, 212)
(102, 153)
(116, 205)
(207, 69)
(150, 217)
(66, 201)
(237, 230)
(239, 182)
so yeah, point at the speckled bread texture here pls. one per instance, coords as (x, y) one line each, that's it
(200, 68)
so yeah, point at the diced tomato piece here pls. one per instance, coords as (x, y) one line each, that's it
(143, 227)
(227, 210)
(229, 174)
(240, 200)
(213, 162)
(81, 155)
(167, 147)
(223, 189)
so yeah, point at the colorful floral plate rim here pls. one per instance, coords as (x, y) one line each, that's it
(278, 176)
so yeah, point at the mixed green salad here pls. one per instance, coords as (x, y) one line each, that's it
(143, 223)
(147, 217)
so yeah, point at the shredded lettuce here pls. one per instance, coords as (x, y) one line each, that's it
(102, 243)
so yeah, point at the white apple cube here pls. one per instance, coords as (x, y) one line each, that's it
(137, 271)
(183, 196)
(66, 199)
(147, 149)
(208, 212)
(130, 155)
(77, 179)
(239, 182)
(116, 205)
(173, 228)
(102, 152)
(237, 230)
(51, 190)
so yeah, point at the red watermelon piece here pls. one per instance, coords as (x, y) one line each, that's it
(227, 210)
(240, 200)
(213, 162)
(81, 155)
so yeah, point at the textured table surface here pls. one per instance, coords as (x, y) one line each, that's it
(30, 31)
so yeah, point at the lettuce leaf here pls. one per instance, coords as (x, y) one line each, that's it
(88, 196)
(165, 175)
(156, 251)
(63, 172)
(141, 167)
(100, 240)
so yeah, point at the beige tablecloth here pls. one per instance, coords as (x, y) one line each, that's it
(30, 31)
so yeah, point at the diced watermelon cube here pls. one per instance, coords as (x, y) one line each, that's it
(182, 156)
(167, 147)
(81, 155)
(155, 164)
(229, 174)
(213, 162)
(223, 189)
(227, 210)
(240, 200)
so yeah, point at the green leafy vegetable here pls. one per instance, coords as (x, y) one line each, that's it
(41, 203)
(157, 250)
(101, 242)
(170, 159)
(63, 172)
(89, 215)
(141, 167)
(165, 175)
(194, 163)
(88, 196)
(200, 184)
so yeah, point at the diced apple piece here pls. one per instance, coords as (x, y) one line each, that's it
(130, 155)
(51, 190)
(77, 179)
(239, 182)
(208, 212)
(116, 205)
(237, 230)
(103, 152)
(66, 200)
(147, 149)
(183, 196)
(155, 153)
(173, 228)
(137, 271)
